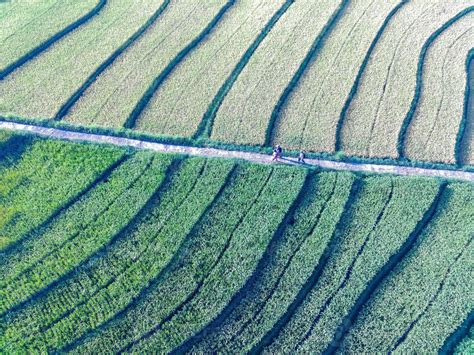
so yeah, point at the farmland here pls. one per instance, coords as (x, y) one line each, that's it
(372, 80)
(238, 256)
(141, 211)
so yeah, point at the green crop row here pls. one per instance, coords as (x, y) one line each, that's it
(431, 292)
(70, 223)
(232, 268)
(466, 346)
(370, 236)
(59, 262)
(129, 265)
(47, 176)
(242, 219)
(287, 270)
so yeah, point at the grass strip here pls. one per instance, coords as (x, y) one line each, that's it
(49, 42)
(147, 96)
(66, 107)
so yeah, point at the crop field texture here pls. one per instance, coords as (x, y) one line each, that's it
(387, 87)
(441, 106)
(112, 250)
(49, 79)
(466, 153)
(179, 105)
(244, 114)
(309, 120)
(112, 97)
(371, 79)
(25, 24)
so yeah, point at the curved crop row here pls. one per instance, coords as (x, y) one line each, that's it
(31, 28)
(377, 113)
(309, 118)
(113, 96)
(371, 237)
(180, 103)
(48, 175)
(109, 283)
(288, 267)
(47, 81)
(53, 267)
(245, 112)
(236, 219)
(467, 344)
(229, 272)
(430, 289)
(465, 139)
(66, 107)
(437, 119)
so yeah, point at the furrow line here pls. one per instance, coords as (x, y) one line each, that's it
(63, 111)
(147, 96)
(393, 261)
(48, 43)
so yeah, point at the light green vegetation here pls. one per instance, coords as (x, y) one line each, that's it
(431, 291)
(467, 344)
(372, 233)
(180, 103)
(111, 282)
(309, 119)
(145, 252)
(48, 80)
(288, 268)
(78, 247)
(112, 98)
(387, 86)
(49, 175)
(228, 241)
(434, 129)
(25, 24)
(246, 110)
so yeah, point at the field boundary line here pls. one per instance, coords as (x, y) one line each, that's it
(419, 78)
(158, 81)
(458, 148)
(66, 107)
(16, 245)
(313, 279)
(52, 40)
(204, 129)
(246, 289)
(356, 84)
(395, 259)
(235, 154)
(458, 335)
(309, 57)
(145, 292)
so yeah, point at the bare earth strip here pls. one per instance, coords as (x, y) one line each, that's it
(220, 153)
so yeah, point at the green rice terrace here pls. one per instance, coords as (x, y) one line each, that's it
(116, 247)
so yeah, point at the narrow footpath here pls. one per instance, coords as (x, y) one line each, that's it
(221, 153)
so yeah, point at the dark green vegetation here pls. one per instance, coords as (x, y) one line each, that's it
(108, 250)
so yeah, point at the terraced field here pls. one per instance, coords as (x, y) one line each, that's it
(142, 251)
(117, 249)
(360, 78)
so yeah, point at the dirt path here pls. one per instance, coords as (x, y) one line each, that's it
(253, 157)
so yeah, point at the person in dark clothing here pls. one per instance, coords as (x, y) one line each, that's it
(277, 152)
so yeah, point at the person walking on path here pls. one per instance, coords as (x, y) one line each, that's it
(277, 152)
(301, 157)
